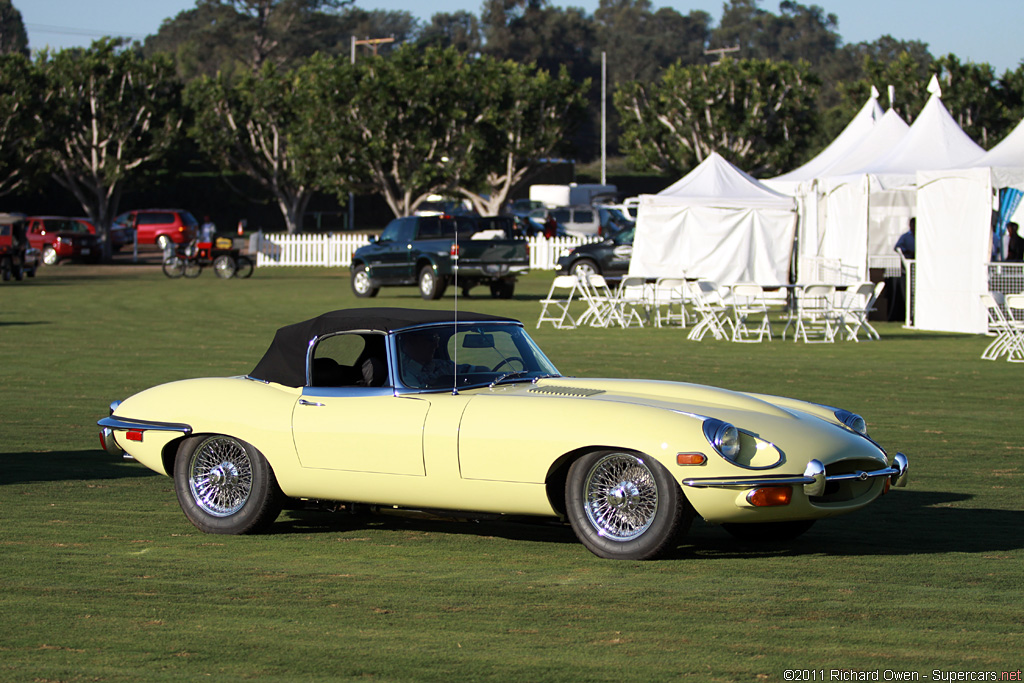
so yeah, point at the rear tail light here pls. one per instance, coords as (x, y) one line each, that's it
(454, 250)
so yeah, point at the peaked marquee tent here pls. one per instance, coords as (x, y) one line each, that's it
(867, 208)
(717, 223)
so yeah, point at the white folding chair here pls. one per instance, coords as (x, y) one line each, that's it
(633, 297)
(602, 306)
(750, 321)
(555, 308)
(709, 305)
(857, 306)
(816, 318)
(1009, 331)
(670, 301)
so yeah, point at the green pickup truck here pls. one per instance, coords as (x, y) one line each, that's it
(433, 252)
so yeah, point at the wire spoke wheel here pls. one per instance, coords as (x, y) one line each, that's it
(622, 497)
(225, 486)
(220, 476)
(625, 505)
(174, 267)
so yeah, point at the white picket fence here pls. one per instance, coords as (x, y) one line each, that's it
(335, 250)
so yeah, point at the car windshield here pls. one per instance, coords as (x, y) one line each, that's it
(442, 357)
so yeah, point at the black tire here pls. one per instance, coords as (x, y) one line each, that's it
(225, 486)
(361, 283)
(769, 532)
(193, 268)
(174, 267)
(502, 289)
(431, 285)
(625, 506)
(5, 269)
(224, 267)
(243, 267)
(585, 266)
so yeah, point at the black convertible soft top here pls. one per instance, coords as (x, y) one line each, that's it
(285, 360)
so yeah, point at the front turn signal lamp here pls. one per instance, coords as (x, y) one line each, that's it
(691, 459)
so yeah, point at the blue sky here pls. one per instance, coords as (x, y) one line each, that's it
(981, 30)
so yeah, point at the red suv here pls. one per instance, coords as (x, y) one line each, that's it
(161, 227)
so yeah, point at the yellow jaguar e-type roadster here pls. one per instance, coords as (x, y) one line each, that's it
(431, 410)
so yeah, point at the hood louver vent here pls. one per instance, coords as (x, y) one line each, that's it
(566, 391)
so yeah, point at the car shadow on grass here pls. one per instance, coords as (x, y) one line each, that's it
(538, 529)
(901, 523)
(19, 468)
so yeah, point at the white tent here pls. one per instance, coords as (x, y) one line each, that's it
(1009, 153)
(802, 182)
(954, 237)
(847, 142)
(717, 223)
(867, 208)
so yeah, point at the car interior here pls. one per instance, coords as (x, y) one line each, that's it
(350, 360)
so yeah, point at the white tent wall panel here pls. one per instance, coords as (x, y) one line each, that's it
(954, 210)
(724, 245)
(844, 235)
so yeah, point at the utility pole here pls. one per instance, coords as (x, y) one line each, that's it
(373, 44)
(604, 118)
(720, 52)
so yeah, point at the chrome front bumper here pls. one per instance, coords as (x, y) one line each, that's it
(813, 480)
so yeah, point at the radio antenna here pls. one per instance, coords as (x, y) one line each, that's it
(455, 324)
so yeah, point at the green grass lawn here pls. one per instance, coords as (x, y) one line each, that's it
(103, 579)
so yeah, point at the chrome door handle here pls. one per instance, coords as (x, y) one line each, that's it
(304, 402)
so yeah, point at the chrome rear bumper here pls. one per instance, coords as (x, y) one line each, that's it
(109, 424)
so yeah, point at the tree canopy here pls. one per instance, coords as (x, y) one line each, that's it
(108, 112)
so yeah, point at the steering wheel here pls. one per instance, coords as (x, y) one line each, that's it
(507, 361)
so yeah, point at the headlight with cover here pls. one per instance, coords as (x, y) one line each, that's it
(724, 437)
(853, 421)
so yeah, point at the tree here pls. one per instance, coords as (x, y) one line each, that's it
(460, 30)
(246, 127)
(797, 32)
(971, 94)
(230, 37)
(108, 112)
(523, 115)
(13, 38)
(271, 21)
(20, 92)
(640, 42)
(755, 113)
(907, 74)
(414, 115)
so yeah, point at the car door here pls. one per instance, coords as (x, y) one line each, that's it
(344, 421)
(390, 257)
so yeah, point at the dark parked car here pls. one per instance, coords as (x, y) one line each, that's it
(609, 258)
(17, 257)
(424, 250)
